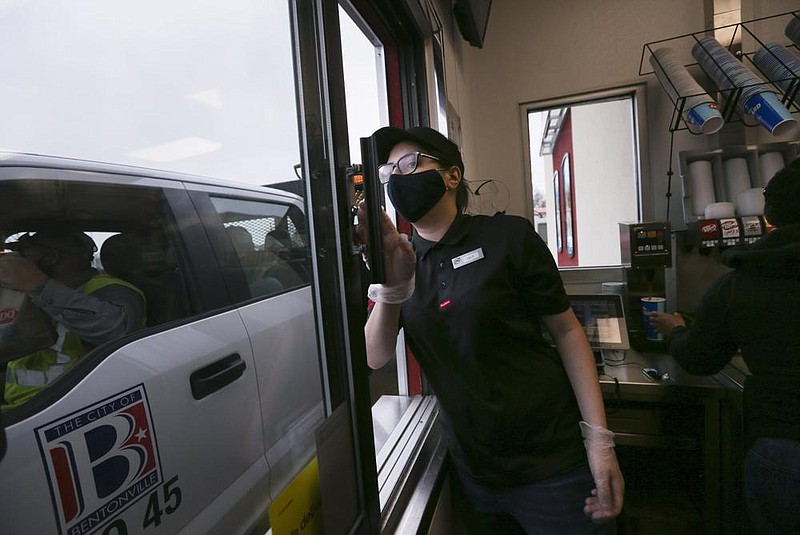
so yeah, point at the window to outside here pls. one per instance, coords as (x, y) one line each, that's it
(589, 148)
(569, 230)
(557, 208)
(364, 83)
(367, 110)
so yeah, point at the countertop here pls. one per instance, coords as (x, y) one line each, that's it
(623, 376)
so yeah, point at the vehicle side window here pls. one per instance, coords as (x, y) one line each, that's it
(111, 256)
(268, 241)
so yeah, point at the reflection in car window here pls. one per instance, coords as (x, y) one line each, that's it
(106, 249)
(269, 243)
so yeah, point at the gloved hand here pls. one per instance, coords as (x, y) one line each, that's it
(401, 261)
(606, 499)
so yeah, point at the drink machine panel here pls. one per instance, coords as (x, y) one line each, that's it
(646, 252)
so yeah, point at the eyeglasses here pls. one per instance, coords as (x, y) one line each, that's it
(406, 165)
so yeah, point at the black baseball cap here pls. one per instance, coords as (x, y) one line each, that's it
(428, 138)
(73, 241)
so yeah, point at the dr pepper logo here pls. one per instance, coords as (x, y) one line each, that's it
(7, 315)
(100, 460)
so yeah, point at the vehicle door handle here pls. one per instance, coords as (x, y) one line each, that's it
(216, 375)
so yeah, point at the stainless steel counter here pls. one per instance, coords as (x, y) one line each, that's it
(623, 375)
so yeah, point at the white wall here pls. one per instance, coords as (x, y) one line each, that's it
(605, 188)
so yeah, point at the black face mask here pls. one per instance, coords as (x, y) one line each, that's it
(414, 195)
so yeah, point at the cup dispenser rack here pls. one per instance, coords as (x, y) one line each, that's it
(754, 34)
(746, 224)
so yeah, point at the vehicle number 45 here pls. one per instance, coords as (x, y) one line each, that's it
(171, 502)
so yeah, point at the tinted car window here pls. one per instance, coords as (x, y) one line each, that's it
(135, 241)
(267, 242)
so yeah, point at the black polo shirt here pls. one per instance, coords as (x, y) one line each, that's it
(474, 325)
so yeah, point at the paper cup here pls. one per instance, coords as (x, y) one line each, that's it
(701, 185)
(737, 177)
(719, 210)
(769, 163)
(652, 304)
(768, 110)
(750, 202)
(10, 305)
(706, 118)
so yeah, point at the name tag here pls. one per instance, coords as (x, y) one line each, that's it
(467, 258)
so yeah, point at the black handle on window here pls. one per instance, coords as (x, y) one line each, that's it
(372, 194)
(216, 375)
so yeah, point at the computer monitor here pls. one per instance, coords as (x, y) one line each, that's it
(603, 320)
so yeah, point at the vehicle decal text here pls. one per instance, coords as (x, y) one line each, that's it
(100, 460)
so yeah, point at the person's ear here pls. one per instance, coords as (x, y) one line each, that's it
(453, 177)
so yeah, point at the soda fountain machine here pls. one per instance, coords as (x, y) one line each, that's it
(646, 253)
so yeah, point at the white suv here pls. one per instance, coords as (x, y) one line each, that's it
(197, 422)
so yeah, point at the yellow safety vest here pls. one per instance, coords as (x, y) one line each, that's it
(28, 375)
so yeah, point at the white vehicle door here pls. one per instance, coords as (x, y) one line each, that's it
(157, 432)
(267, 237)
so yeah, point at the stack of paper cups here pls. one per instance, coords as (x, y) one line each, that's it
(792, 29)
(701, 186)
(769, 163)
(737, 177)
(720, 210)
(757, 99)
(778, 64)
(750, 202)
(700, 111)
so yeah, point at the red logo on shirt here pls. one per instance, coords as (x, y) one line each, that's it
(444, 304)
(7, 315)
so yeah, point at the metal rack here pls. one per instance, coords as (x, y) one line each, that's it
(729, 99)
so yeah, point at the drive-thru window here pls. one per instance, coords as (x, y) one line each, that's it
(160, 141)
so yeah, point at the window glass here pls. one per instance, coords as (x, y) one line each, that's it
(131, 262)
(558, 211)
(269, 243)
(363, 59)
(364, 84)
(593, 143)
(566, 178)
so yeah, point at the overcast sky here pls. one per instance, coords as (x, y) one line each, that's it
(195, 86)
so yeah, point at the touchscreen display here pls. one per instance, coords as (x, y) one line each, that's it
(603, 320)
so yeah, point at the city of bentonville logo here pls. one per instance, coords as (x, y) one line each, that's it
(100, 460)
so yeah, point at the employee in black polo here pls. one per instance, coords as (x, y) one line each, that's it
(525, 423)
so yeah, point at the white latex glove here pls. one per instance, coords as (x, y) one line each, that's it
(401, 261)
(606, 499)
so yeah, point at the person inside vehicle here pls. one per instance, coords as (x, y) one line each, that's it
(754, 309)
(277, 258)
(54, 268)
(525, 423)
